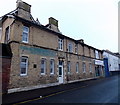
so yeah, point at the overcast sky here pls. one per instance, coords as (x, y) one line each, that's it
(95, 21)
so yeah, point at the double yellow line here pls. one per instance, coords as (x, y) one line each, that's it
(49, 95)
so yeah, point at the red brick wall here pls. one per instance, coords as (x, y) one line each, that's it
(6, 62)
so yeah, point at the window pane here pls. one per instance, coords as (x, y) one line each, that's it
(68, 66)
(23, 60)
(25, 34)
(60, 70)
(51, 66)
(77, 67)
(84, 67)
(23, 70)
(25, 37)
(70, 47)
(43, 66)
(23, 65)
(60, 44)
(25, 29)
(60, 62)
(7, 34)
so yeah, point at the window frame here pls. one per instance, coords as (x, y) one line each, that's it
(52, 66)
(43, 66)
(69, 67)
(97, 54)
(77, 67)
(90, 67)
(70, 47)
(26, 32)
(60, 44)
(84, 67)
(7, 34)
(25, 57)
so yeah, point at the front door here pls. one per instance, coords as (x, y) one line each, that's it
(60, 72)
(97, 69)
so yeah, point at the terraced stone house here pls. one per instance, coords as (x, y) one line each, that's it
(42, 55)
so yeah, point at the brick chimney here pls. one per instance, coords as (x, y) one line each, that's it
(24, 9)
(53, 25)
(53, 21)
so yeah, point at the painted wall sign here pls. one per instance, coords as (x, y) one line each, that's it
(39, 51)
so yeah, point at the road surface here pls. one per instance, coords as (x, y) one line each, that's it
(96, 91)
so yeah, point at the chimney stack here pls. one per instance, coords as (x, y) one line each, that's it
(23, 5)
(53, 25)
(24, 9)
(53, 21)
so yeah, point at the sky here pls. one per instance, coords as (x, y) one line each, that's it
(95, 21)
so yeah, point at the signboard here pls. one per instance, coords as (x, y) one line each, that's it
(99, 62)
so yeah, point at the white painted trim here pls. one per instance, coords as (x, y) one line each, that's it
(27, 36)
(26, 66)
(60, 44)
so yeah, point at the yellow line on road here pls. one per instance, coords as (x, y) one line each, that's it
(49, 95)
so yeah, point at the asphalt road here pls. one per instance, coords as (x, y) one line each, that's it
(98, 91)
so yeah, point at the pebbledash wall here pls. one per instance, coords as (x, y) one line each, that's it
(42, 55)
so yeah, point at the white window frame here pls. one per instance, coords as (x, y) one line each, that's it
(52, 66)
(69, 67)
(84, 67)
(96, 54)
(26, 32)
(44, 66)
(24, 57)
(77, 67)
(60, 44)
(7, 35)
(70, 47)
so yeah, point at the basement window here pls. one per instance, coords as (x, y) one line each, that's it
(23, 65)
(25, 34)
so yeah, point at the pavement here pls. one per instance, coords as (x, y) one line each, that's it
(19, 97)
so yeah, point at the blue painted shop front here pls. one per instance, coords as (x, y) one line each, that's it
(106, 68)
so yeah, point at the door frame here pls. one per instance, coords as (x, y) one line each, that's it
(61, 78)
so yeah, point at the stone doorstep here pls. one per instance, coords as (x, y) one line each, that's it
(44, 86)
